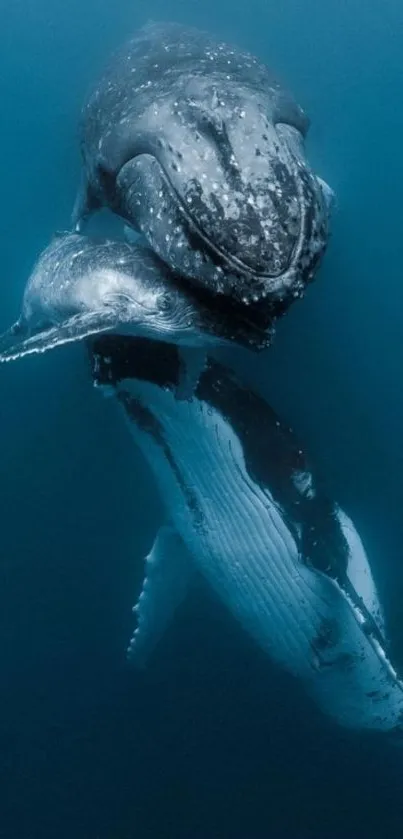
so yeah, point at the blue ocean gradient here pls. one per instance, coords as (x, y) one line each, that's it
(210, 741)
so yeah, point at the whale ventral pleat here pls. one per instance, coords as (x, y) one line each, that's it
(275, 460)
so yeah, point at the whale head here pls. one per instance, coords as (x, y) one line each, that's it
(229, 202)
(81, 287)
(205, 156)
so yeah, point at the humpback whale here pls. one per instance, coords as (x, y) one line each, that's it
(196, 145)
(81, 286)
(245, 508)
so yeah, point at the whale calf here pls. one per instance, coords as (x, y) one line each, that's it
(244, 508)
(81, 286)
(195, 144)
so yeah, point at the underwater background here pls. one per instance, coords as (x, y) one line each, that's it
(209, 740)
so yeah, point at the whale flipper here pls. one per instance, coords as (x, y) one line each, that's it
(359, 573)
(17, 344)
(168, 574)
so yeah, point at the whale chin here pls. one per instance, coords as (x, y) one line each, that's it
(231, 254)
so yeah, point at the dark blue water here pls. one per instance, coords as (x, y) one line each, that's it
(209, 741)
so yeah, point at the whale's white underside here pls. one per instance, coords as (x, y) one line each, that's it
(230, 529)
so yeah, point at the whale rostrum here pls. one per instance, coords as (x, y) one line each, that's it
(195, 143)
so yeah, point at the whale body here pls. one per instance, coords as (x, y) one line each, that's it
(244, 508)
(195, 144)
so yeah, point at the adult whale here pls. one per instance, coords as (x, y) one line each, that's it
(244, 508)
(196, 145)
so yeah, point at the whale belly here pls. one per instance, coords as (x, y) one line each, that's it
(231, 526)
(241, 542)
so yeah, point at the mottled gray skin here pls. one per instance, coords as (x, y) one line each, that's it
(196, 145)
(81, 287)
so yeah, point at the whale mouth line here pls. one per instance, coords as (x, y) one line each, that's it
(273, 282)
(224, 256)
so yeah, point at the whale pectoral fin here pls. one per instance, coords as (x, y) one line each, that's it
(359, 572)
(168, 574)
(85, 204)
